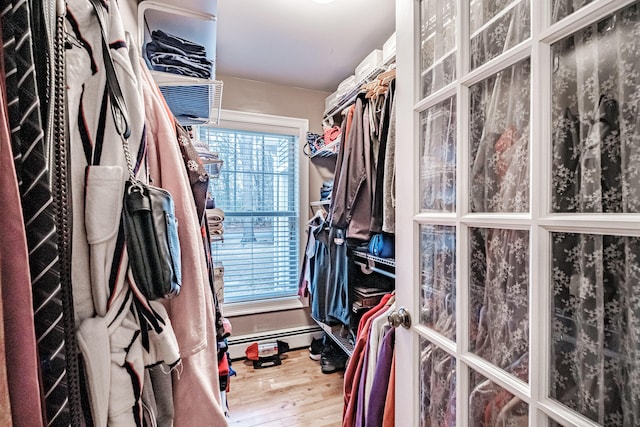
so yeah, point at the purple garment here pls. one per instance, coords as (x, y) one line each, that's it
(360, 405)
(375, 411)
(359, 420)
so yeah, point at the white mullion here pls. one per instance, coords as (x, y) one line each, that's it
(462, 323)
(500, 62)
(437, 62)
(540, 188)
(500, 221)
(435, 218)
(596, 224)
(495, 18)
(565, 416)
(593, 12)
(463, 45)
(437, 97)
(438, 339)
(498, 376)
(408, 49)
(462, 382)
(540, 318)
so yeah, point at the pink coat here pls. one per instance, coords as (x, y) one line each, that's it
(196, 389)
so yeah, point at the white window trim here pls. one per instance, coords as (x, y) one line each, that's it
(264, 306)
(256, 122)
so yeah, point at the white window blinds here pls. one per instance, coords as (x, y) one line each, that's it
(258, 191)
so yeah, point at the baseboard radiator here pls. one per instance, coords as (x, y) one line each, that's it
(295, 337)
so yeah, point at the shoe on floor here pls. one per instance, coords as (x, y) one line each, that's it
(315, 349)
(333, 359)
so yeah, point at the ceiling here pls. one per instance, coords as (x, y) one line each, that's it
(299, 43)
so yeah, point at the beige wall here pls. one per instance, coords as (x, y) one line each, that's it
(266, 98)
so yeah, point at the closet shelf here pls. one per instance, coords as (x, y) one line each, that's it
(322, 204)
(194, 101)
(327, 150)
(194, 104)
(169, 79)
(349, 97)
(385, 261)
(371, 263)
(212, 166)
(333, 332)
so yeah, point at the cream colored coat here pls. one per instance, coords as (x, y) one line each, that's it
(108, 328)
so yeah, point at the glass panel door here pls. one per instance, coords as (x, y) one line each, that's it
(496, 26)
(438, 157)
(437, 386)
(437, 45)
(492, 405)
(518, 213)
(499, 141)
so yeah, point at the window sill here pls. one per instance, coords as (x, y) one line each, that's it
(263, 306)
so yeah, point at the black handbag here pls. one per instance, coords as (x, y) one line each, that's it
(151, 233)
(150, 224)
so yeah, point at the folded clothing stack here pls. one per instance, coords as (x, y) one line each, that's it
(325, 190)
(172, 54)
(331, 134)
(215, 217)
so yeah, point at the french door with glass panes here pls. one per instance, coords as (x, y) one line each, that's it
(518, 212)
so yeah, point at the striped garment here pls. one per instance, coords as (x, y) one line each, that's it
(119, 332)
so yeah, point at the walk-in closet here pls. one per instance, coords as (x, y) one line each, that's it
(366, 213)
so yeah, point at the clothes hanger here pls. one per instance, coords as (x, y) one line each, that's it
(506, 413)
(387, 76)
(318, 215)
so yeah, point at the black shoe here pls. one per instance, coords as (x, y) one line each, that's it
(315, 349)
(283, 346)
(332, 360)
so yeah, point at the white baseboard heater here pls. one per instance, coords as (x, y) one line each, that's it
(295, 337)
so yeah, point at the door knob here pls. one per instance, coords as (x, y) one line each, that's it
(400, 318)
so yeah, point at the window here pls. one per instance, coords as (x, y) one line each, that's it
(258, 190)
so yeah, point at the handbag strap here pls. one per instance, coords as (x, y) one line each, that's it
(118, 105)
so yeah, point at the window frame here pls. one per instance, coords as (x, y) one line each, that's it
(266, 123)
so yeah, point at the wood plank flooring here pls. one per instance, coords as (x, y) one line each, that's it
(295, 393)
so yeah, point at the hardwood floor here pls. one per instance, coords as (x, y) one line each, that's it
(295, 393)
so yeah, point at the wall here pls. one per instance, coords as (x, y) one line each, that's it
(266, 98)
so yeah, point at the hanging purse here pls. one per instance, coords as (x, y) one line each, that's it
(151, 233)
(150, 224)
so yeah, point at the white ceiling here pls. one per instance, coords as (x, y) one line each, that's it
(298, 42)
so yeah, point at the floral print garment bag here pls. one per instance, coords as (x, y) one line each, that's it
(596, 169)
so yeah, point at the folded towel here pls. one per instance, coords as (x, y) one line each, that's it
(215, 226)
(215, 215)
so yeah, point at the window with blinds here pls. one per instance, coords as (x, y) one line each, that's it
(258, 191)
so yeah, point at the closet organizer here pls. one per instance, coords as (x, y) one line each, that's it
(81, 345)
(349, 284)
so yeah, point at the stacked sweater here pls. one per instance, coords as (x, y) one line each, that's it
(215, 218)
